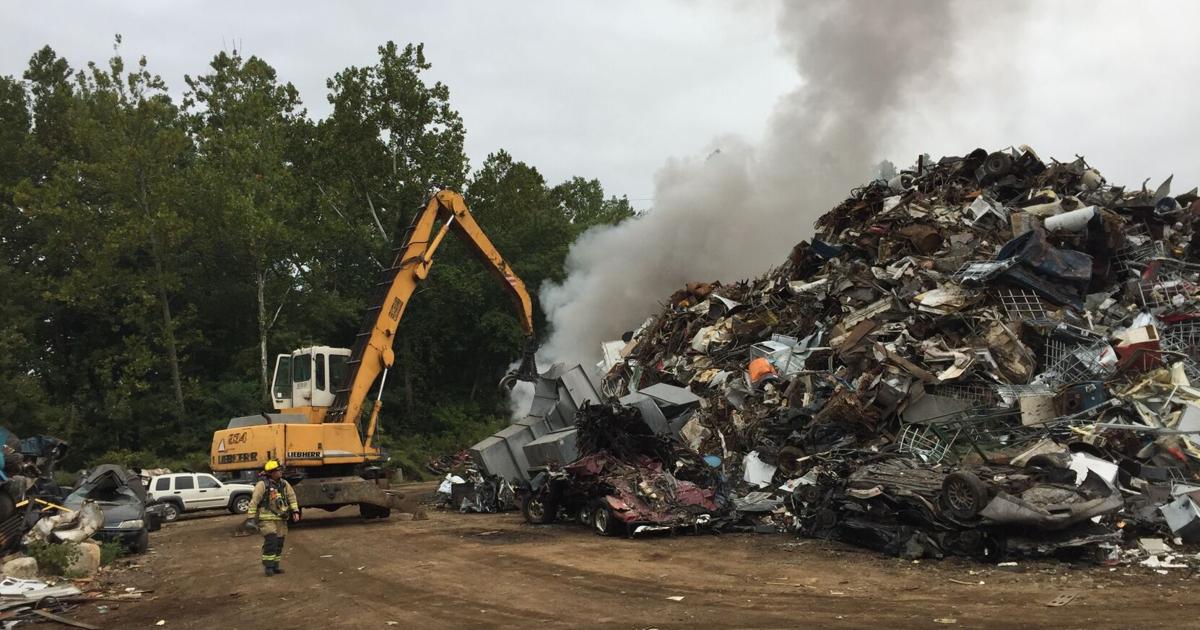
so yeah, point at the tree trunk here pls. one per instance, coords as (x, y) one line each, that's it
(163, 298)
(474, 383)
(260, 280)
(169, 341)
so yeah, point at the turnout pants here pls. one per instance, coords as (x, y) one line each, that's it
(272, 549)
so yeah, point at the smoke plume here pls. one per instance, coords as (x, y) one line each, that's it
(737, 209)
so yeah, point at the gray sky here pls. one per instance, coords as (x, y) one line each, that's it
(613, 89)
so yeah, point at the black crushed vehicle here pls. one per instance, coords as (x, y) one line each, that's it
(122, 498)
(910, 509)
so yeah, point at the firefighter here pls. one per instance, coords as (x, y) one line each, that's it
(272, 505)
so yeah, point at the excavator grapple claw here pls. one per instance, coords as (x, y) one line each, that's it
(526, 371)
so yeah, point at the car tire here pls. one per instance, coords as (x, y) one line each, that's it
(171, 512)
(368, 510)
(240, 504)
(823, 523)
(537, 511)
(1045, 462)
(141, 543)
(963, 495)
(604, 521)
(788, 459)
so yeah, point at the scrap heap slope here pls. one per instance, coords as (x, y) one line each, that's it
(982, 354)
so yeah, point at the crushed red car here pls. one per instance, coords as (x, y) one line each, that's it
(621, 496)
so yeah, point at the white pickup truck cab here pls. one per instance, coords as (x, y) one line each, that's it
(189, 492)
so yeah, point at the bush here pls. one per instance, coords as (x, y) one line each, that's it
(53, 559)
(191, 462)
(110, 551)
(65, 478)
(128, 459)
(461, 425)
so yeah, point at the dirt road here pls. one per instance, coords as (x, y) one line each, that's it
(468, 570)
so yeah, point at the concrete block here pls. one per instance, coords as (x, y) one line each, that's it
(553, 448)
(491, 456)
(537, 426)
(21, 568)
(87, 562)
(515, 438)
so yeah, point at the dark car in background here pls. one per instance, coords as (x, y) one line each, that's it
(122, 497)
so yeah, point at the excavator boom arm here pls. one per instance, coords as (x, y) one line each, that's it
(465, 227)
(373, 348)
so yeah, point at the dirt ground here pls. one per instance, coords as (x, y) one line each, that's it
(470, 570)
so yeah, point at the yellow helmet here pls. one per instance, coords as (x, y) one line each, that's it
(270, 465)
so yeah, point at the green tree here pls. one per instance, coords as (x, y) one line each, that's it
(582, 201)
(154, 254)
(244, 122)
(49, 78)
(106, 227)
(136, 150)
(24, 403)
(390, 138)
(395, 137)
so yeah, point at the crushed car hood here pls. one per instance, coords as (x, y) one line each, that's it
(642, 491)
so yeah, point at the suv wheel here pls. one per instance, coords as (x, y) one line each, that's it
(170, 512)
(240, 504)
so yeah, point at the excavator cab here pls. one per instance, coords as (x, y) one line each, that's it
(309, 377)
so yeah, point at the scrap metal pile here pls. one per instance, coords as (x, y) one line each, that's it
(985, 355)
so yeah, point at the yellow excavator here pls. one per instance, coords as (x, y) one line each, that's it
(320, 393)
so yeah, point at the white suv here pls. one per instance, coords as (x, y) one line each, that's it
(188, 492)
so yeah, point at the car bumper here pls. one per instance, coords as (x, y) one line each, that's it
(640, 525)
(125, 536)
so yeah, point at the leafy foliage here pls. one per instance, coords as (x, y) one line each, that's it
(53, 558)
(110, 551)
(155, 254)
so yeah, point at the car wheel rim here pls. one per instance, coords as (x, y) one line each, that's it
(536, 510)
(242, 505)
(959, 496)
(601, 519)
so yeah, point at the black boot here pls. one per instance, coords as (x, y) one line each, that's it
(268, 571)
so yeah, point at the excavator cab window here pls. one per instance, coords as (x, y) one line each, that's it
(320, 371)
(337, 371)
(302, 368)
(281, 387)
